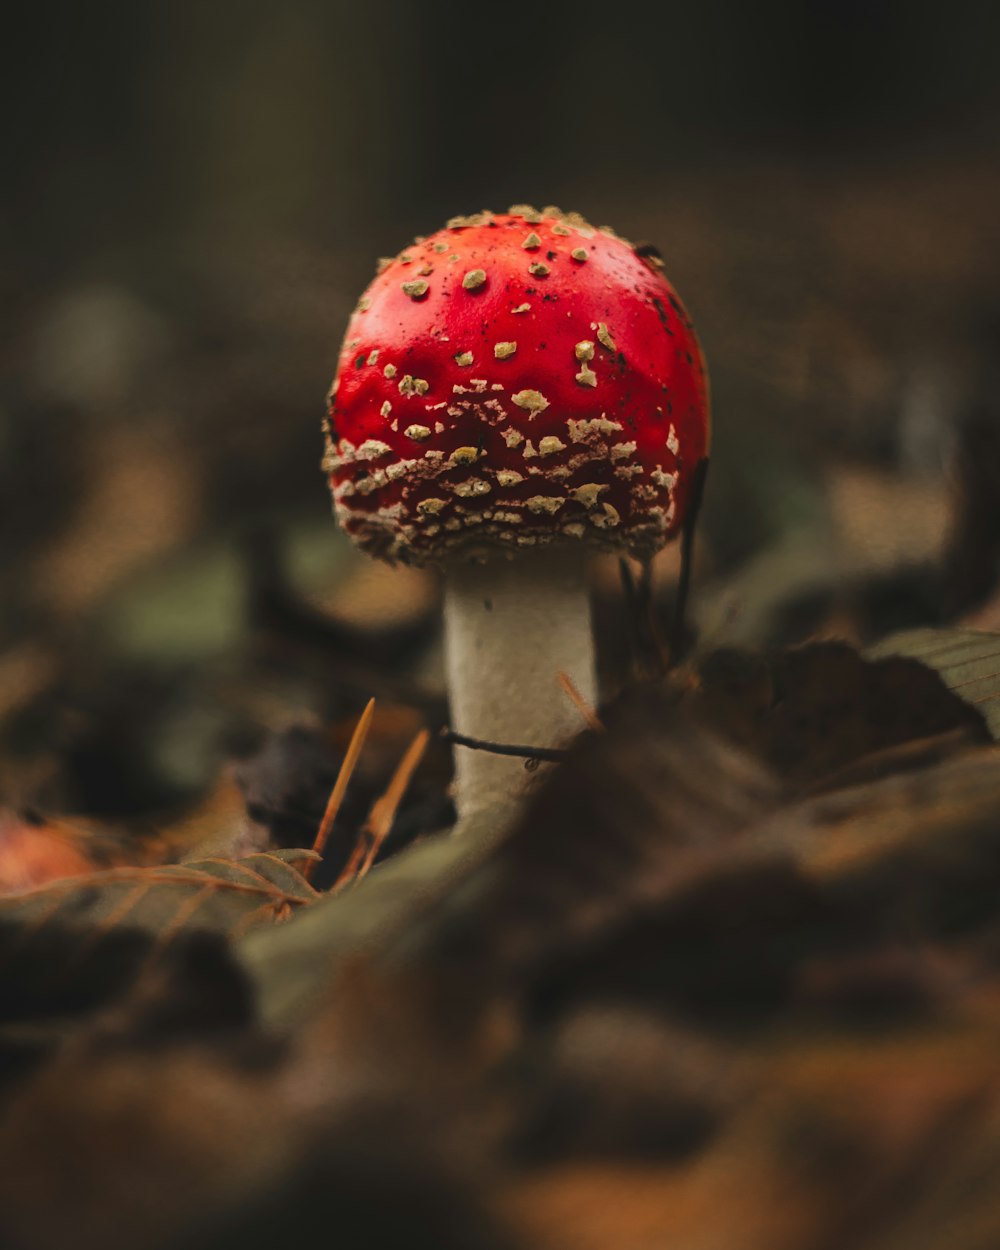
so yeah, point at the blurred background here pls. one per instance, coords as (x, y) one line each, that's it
(194, 196)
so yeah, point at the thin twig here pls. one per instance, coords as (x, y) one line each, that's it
(572, 693)
(340, 785)
(547, 754)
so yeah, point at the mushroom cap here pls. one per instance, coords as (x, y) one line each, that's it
(517, 378)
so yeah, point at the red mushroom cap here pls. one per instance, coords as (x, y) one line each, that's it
(515, 379)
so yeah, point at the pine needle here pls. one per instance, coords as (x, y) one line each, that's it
(340, 785)
(383, 812)
(579, 702)
(353, 866)
(384, 809)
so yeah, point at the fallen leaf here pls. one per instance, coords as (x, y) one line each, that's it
(224, 896)
(967, 661)
(813, 711)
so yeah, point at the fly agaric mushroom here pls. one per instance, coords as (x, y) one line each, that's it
(513, 392)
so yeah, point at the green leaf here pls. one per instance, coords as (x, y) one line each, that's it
(967, 661)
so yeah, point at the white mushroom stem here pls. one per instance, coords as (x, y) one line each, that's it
(511, 626)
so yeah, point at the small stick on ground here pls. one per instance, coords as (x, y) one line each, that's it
(340, 785)
(579, 702)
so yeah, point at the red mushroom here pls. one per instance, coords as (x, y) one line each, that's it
(517, 385)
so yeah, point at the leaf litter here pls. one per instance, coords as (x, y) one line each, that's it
(730, 977)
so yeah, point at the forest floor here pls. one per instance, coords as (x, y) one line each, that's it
(727, 979)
